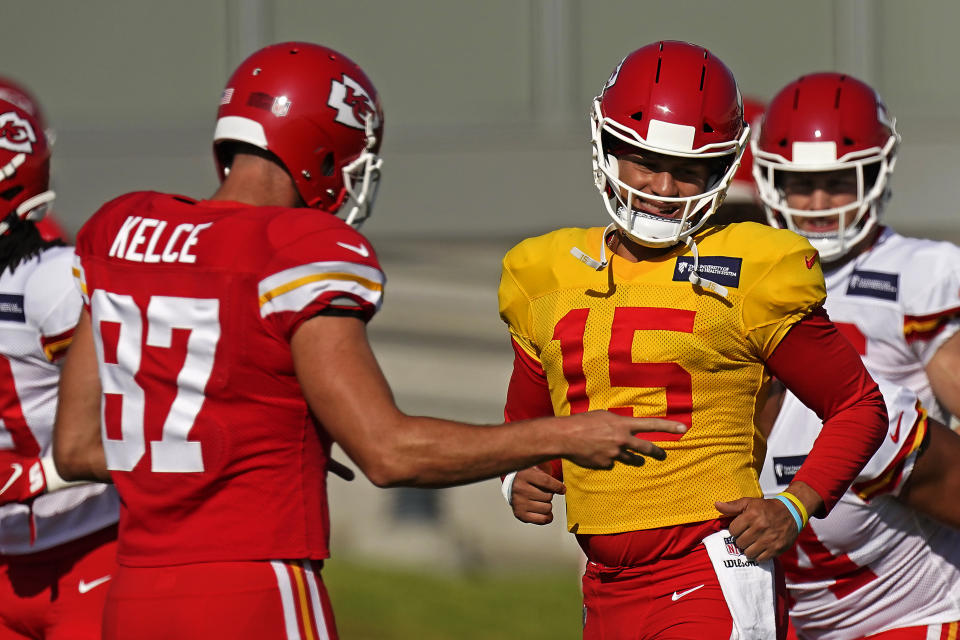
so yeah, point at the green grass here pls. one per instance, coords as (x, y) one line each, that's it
(388, 603)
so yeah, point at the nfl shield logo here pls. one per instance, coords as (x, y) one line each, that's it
(732, 548)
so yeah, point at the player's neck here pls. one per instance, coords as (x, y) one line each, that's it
(258, 182)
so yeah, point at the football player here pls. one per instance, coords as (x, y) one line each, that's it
(822, 162)
(662, 313)
(16, 93)
(886, 562)
(57, 542)
(223, 342)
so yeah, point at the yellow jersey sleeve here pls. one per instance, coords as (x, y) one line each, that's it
(515, 306)
(788, 287)
(533, 269)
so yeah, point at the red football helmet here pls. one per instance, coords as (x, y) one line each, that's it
(24, 167)
(673, 98)
(318, 113)
(17, 94)
(827, 122)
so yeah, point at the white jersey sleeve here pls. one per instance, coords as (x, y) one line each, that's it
(54, 303)
(931, 295)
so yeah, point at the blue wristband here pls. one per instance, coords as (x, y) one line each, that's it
(793, 511)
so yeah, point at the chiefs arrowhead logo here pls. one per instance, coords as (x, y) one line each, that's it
(16, 134)
(353, 104)
(812, 260)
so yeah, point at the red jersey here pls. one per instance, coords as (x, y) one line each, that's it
(207, 436)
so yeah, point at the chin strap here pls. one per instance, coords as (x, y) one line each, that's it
(698, 281)
(596, 265)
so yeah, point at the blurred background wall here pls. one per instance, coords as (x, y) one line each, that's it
(486, 142)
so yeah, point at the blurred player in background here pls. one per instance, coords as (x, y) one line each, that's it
(823, 158)
(886, 562)
(57, 542)
(822, 161)
(231, 340)
(684, 319)
(16, 93)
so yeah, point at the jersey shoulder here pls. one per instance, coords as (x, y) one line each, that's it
(927, 272)
(777, 262)
(544, 263)
(761, 245)
(780, 277)
(308, 236)
(52, 301)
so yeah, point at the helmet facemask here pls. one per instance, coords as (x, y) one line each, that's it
(361, 180)
(872, 169)
(646, 228)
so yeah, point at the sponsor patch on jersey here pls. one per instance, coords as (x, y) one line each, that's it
(874, 284)
(720, 269)
(11, 307)
(786, 467)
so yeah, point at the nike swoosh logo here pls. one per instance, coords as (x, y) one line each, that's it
(679, 594)
(17, 472)
(895, 436)
(812, 260)
(356, 248)
(83, 587)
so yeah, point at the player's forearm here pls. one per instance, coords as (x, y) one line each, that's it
(427, 452)
(843, 395)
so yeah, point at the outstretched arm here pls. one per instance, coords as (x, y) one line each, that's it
(348, 393)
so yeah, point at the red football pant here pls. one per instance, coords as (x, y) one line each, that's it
(236, 600)
(58, 594)
(676, 599)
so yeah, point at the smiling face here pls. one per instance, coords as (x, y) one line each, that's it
(820, 191)
(663, 176)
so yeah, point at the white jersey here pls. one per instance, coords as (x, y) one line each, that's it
(39, 307)
(873, 564)
(898, 303)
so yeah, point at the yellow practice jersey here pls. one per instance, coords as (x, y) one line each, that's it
(640, 339)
